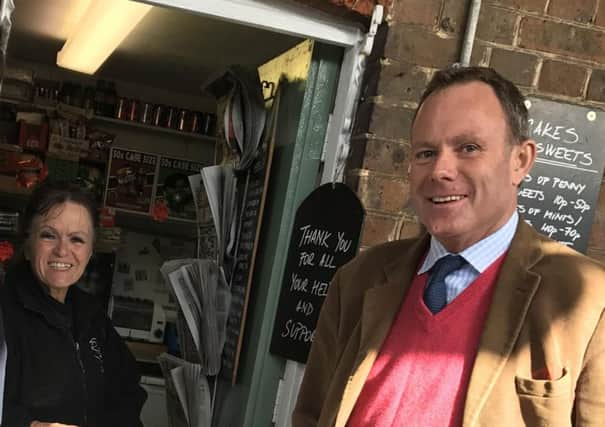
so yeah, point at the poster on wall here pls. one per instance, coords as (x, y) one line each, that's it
(560, 194)
(130, 180)
(173, 187)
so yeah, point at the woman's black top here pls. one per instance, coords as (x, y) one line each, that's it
(65, 363)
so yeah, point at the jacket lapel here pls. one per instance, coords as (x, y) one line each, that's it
(512, 296)
(380, 306)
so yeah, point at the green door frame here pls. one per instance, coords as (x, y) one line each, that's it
(305, 107)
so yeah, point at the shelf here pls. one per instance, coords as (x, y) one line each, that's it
(29, 104)
(111, 120)
(143, 223)
(150, 128)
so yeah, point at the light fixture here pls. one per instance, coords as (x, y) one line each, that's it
(102, 28)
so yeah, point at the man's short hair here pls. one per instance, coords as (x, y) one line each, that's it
(511, 99)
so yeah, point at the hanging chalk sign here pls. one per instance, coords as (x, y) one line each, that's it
(559, 196)
(325, 236)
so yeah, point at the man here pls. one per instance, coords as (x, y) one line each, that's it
(480, 322)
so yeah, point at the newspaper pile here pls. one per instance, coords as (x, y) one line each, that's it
(220, 184)
(202, 293)
(215, 198)
(187, 393)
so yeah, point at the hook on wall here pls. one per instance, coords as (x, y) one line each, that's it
(268, 85)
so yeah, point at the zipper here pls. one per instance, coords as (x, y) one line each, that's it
(83, 372)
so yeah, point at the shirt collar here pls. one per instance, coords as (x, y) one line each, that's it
(480, 255)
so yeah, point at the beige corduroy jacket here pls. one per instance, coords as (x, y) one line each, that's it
(545, 316)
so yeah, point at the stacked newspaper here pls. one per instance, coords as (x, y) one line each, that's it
(202, 293)
(220, 184)
(187, 393)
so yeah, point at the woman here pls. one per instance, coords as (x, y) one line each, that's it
(66, 364)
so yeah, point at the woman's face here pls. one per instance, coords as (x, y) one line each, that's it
(59, 247)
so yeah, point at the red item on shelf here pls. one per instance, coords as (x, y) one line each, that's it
(107, 217)
(32, 136)
(159, 212)
(6, 251)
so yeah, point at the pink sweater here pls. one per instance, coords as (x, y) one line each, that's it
(421, 374)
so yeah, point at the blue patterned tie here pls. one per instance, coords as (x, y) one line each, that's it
(435, 292)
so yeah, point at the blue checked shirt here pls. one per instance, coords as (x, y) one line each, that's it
(478, 257)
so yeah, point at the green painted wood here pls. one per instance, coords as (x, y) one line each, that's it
(303, 117)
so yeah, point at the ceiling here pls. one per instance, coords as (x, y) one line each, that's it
(169, 49)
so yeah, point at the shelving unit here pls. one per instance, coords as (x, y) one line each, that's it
(185, 230)
(110, 120)
(12, 196)
(150, 128)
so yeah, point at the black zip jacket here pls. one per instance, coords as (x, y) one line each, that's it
(66, 363)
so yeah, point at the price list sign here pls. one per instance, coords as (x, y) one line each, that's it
(561, 191)
(324, 237)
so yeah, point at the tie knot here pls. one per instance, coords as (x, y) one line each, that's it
(435, 294)
(447, 264)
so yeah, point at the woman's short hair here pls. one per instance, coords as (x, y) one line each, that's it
(51, 193)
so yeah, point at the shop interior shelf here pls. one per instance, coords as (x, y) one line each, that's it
(151, 128)
(110, 120)
(174, 228)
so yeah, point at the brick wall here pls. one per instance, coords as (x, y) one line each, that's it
(353, 9)
(550, 48)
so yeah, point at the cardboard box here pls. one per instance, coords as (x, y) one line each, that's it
(173, 186)
(33, 136)
(131, 180)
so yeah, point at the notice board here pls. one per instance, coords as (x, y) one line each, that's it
(560, 194)
(325, 236)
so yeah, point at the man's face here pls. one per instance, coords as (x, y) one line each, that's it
(464, 172)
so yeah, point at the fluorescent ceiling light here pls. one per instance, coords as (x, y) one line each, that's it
(102, 28)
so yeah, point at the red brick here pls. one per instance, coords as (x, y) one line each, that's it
(596, 86)
(378, 229)
(526, 5)
(600, 15)
(424, 48)
(597, 235)
(395, 81)
(481, 54)
(410, 229)
(379, 155)
(352, 9)
(383, 121)
(562, 78)
(383, 193)
(422, 12)
(496, 25)
(596, 253)
(555, 37)
(453, 16)
(576, 10)
(518, 67)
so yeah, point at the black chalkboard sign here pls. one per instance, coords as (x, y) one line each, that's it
(559, 196)
(324, 237)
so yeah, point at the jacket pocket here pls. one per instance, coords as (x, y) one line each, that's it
(545, 402)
